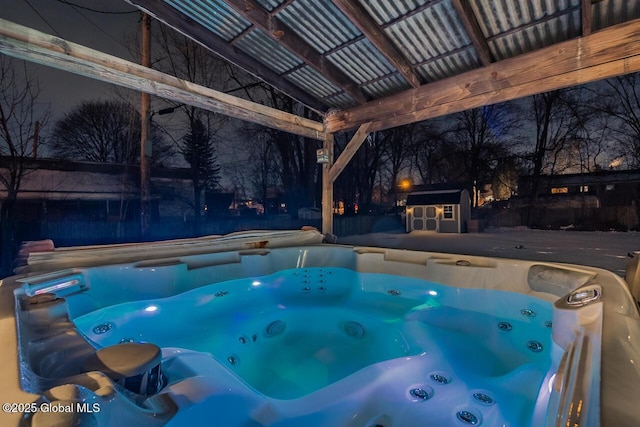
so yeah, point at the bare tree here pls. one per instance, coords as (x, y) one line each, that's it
(22, 118)
(356, 183)
(104, 131)
(596, 150)
(180, 56)
(622, 102)
(432, 154)
(293, 155)
(397, 147)
(482, 136)
(505, 180)
(260, 169)
(560, 118)
(98, 131)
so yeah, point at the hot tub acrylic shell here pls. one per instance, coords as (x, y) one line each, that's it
(592, 379)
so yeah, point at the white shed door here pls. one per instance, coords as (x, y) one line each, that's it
(425, 218)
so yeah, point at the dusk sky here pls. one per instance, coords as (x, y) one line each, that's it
(84, 22)
(79, 21)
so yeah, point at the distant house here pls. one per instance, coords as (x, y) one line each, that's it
(597, 189)
(441, 211)
(217, 204)
(57, 189)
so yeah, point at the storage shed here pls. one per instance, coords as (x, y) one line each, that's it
(443, 211)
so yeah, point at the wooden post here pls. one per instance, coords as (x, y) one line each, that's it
(145, 137)
(331, 171)
(36, 137)
(327, 187)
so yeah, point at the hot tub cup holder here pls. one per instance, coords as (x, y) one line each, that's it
(135, 366)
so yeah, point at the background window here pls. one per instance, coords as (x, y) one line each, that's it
(448, 212)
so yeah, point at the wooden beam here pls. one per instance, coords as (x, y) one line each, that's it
(31, 45)
(586, 17)
(470, 24)
(349, 151)
(358, 15)
(327, 187)
(607, 53)
(252, 11)
(195, 31)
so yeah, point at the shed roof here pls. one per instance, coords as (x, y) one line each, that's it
(445, 197)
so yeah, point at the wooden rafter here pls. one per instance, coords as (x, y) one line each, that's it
(31, 45)
(471, 25)
(586, 17)
(376, 35)
(349, 151)
(187, 26)
(607, 53)
(280, 32)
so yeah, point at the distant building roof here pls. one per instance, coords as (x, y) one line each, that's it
(97, 167)
(598, 177)
(51, 179)
(444, 197)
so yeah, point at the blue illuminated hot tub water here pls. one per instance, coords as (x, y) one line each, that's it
(484, 353)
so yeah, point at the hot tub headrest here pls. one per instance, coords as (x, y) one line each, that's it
(134, 365)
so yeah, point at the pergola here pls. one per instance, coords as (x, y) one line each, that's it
(370, 64)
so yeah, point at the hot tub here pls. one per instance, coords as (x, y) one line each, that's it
(279, 329)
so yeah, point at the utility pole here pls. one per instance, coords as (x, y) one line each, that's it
(36, 136)
(145, 137)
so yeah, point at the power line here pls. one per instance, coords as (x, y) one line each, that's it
(108, 12)
(75, 8)
(43, 18)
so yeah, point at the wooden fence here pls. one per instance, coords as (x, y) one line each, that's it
(622, 218)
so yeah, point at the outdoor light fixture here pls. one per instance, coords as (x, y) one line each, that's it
(405, 184)
(322, 156)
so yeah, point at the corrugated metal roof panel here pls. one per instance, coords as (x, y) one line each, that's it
(361, 61)
(214, 15)
(266, 50)
(497, 17)
(432, 32)
(513, 28)
(545, 33)
(270, 4)
(341, 100)
(428, 33)
(313, 82)
(449, 65)
(611, 12)
(386, 86)
(385, 11)
(320, 23)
